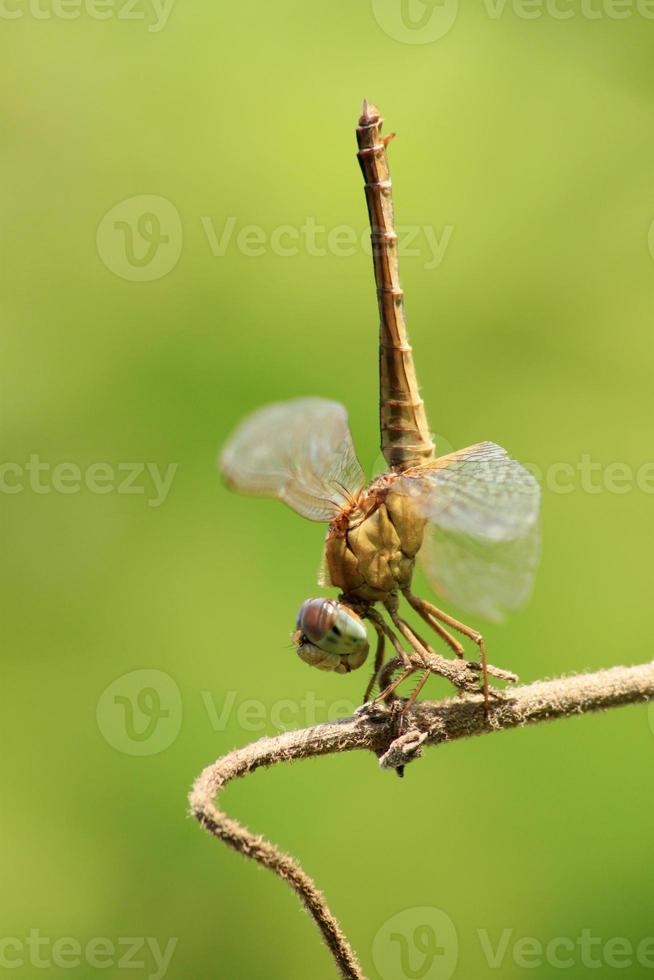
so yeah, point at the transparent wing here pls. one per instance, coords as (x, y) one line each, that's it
(299, 451)
(482, 577)
(482, 542)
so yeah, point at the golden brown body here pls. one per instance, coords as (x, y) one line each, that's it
(302, 452)
(405, 436)
(370, 550)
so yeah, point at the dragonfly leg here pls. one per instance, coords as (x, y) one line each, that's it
(417, 644)
(420, 607)
(379, 660)
(385, 630)
(379, 623)
(418, 688)
(386, 693)
(434, 616)
(423, 650)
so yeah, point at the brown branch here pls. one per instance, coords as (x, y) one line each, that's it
(372, 728)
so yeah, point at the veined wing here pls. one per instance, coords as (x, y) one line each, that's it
(482, 542)
(482, 577)
(299, 451)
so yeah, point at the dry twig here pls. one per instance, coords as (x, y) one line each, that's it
(372, 728)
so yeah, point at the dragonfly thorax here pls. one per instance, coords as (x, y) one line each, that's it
(372, 556)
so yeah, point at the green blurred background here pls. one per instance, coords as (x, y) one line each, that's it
(532, 139)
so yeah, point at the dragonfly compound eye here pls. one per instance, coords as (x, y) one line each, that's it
(331, 636)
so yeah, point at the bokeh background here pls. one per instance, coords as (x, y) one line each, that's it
(531, 138)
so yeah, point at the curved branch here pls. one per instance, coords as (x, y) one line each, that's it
(372, 728)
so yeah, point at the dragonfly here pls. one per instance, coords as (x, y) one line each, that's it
(470, 518)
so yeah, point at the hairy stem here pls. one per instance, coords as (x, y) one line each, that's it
(372, 728)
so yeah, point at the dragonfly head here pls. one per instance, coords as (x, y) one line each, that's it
(330, 636)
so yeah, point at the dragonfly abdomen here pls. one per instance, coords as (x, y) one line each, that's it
(405, 437)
